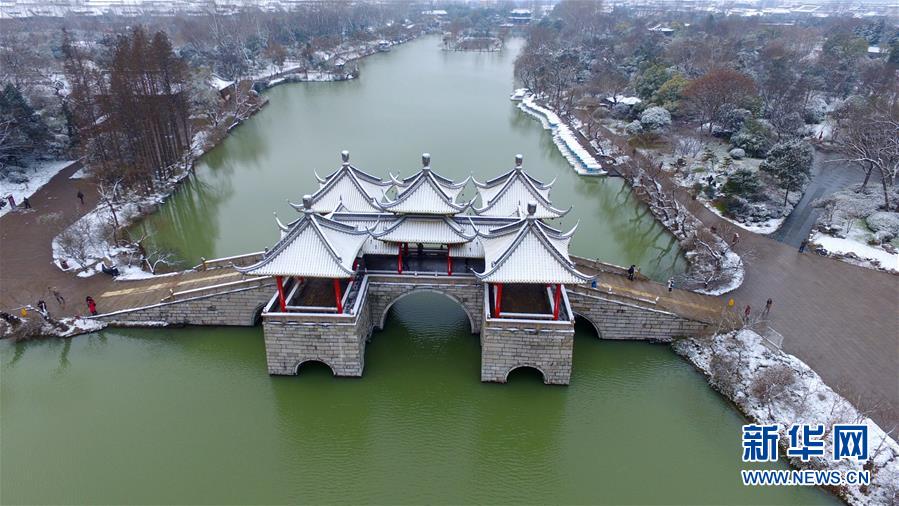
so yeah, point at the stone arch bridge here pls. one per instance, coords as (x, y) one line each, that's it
(215, 293)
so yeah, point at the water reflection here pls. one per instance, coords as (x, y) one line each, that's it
(416, 98)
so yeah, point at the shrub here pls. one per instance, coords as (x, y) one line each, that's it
(634, 128)
(743, 183)
(655, 118)
(732, 205)
(754, 138)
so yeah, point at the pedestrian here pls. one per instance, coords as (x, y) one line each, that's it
(58, 296)
(593, 283)
(736, 238)
(714, 229)
(746, 313)
(42, 307)
(670, 284)
(80, 197)
(802, 245)
(91, 305)
(421, 249)
(26, 203)
(630, 272)
(768, 305)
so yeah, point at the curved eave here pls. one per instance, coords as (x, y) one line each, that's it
(462, 237)
(537, 229)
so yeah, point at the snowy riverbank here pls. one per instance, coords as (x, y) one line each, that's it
(25, 183)
(772, 387)
(580, 159)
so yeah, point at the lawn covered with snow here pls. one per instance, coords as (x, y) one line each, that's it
(856, 242)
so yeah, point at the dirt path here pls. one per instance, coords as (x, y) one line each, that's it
(26, 258)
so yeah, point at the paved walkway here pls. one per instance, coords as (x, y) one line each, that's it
(26, 258)
(827, 177)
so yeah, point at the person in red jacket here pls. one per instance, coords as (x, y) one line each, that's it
(91, 305)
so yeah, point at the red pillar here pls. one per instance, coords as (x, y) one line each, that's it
(498, 303)
(399, 258)
(337, 296)
(449, 261)
(280, 281)
(556, 299)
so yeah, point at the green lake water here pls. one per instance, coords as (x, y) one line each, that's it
(191, 416)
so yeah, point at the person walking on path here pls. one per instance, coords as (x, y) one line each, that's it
(746, 313)
(768, 305)
(91, 305)
(26, 203)
(631, 271)
(736, 239)
(80, 197)
(58, 296)
(670, 284)
(802, 245)
(42, 307)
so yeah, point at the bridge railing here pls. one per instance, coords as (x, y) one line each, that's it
(231, 261)
(213, 289)
(598, 266)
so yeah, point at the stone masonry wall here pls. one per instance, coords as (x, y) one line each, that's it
(544, 346)
(620, 320)
(336, 341)
(467, 291)
(237, 307)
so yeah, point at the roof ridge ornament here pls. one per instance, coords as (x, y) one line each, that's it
(532, 209)
(345, 156)
(307, 203)
(426, 162)
(519, 159)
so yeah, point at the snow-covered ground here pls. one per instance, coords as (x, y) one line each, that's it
(855, 243)
(772, 387)
(38, 174)
(566, 140)
(732, 264)
(764, 228)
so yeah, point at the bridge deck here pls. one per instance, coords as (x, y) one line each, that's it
(613, 281)
(147, 292)
(613, 284)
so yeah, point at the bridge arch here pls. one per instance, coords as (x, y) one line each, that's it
(525, 366)
(380, 315)
(301, 363)
(256, 315)
(589, 320)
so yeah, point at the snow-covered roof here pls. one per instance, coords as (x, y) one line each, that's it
(622, 99)
(426, 230)
(218, 83)
(348, 188)
(314, 247)
(507, 194)
(426, 193)
(529, 251)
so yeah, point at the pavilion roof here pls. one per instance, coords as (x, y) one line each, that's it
(426, 193)
(312, 246)
(426, 230)
(348, 188)
(507, 194)
(529, 251)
